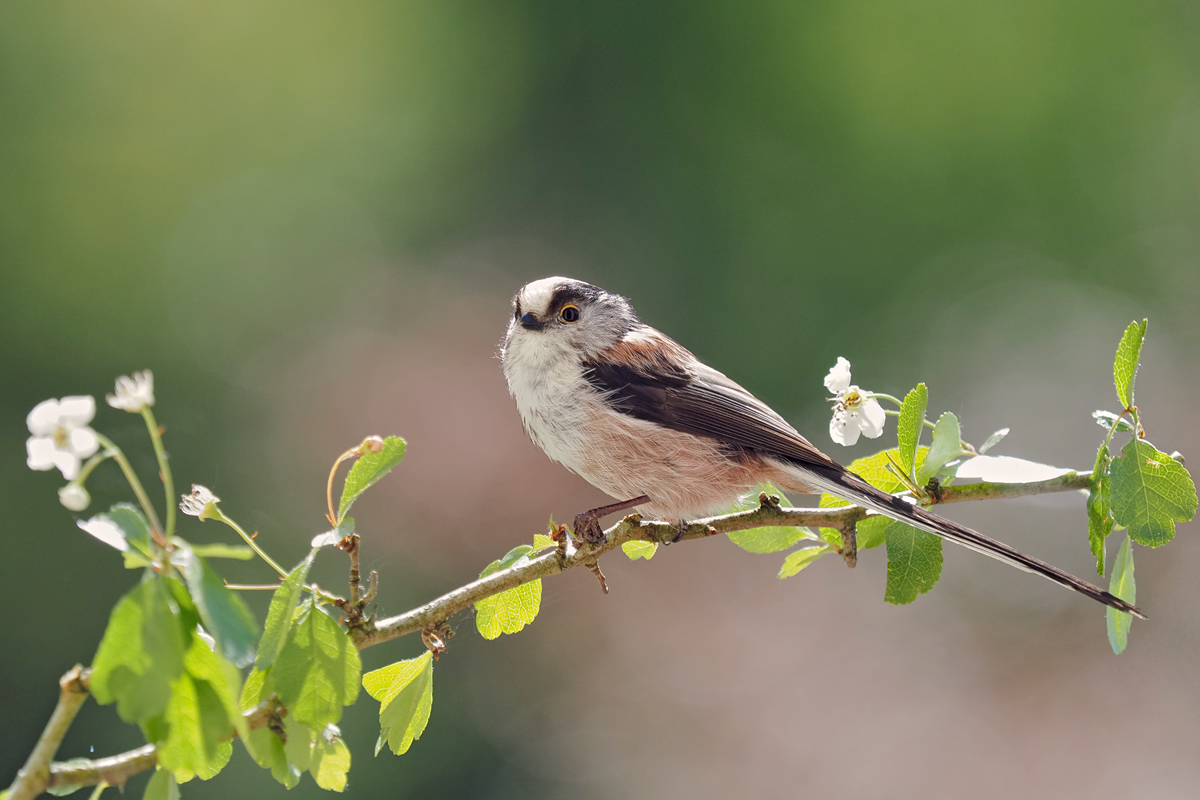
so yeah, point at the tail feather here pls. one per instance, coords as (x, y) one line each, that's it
(849, 486)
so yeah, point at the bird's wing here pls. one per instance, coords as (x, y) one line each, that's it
(650, 376)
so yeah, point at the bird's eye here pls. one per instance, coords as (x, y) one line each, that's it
(569, 314)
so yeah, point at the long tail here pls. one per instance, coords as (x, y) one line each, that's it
(848, 486)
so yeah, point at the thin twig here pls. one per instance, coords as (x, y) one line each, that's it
(115, 770)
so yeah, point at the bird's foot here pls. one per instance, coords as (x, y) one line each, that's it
(680, 529)
(587, 524)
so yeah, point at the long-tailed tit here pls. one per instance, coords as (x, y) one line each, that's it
(638, 416)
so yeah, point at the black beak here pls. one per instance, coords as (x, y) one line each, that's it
(530, 323)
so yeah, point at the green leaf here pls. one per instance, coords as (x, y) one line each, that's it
(210, 666)
(639, 549)
(162, 786)
(405, 694)
(908, 427)
(947, 445)
(264, 746)
(993, 440)
(317, 671)
(1107, 419)
(198, 729)
(769, 540)
(510, 611)
(800, 559)
(1122, 585)
(237, 551)
(131, 520)
(542, 542)
(1126, 363)
(225, 615)
(872, 469)
(914, 562)
(1150, 493)
(281, 613)
(140, 654)
(1099, 508)
(368, 469)
(330, 760)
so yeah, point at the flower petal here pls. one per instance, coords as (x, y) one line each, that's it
(41, 451)
(838, 379)
(84, 442)
(67, 463)
(77, 410)
(106, 531)
(871, 418)
(43, 420)
(843, 428)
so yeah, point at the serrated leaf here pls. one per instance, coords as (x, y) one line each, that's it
(872, 469)
(405, 694)
(326, 539)
(1006, 469)
(914, 562)
(330, 760)
(993, 440)
(947, 445)
(1099, 508)
(1126, 362)
(140, 654)
(769, 540)
(281, 613)
(264, 746)
(1150, 493)
(639, 549)
(298, 746)
(235, 551)
(317, 671)
(225, 615)
(206, 664)
(1122, 585)
(542, 542)
(197, 742)
(509, 611)
(800, 559)
(162, 786)
(104, 529)
(1107, 419)
(908, 427)
(369, 469)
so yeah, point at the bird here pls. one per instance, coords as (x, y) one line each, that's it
(639, 417)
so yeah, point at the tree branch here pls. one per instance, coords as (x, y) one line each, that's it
(633, 528)
(39, 774)
(32, 779)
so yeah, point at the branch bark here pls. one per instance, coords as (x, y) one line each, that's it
(39, 774)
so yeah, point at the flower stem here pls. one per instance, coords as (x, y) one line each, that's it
(91, 464)
(250, 541)
(164, 468)
(891, 413)
(136, 485)
(882, 396)
(333, 519)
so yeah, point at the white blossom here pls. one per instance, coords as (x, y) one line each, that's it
(61, 436)
(134, 392)
(854, 410)
(74, 497)
(197, 503)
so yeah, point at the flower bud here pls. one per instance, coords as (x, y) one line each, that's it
(371, 444)
(74, 497)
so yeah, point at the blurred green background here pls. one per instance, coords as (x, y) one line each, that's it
(308, 219)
